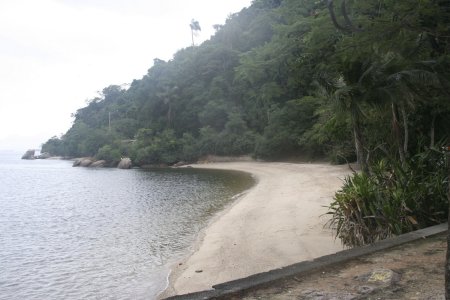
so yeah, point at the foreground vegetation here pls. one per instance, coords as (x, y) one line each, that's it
(393, 199)
(347, 80)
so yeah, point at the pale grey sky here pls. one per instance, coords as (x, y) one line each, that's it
(56, 54)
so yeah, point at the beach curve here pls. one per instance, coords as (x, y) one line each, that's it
(278, 222)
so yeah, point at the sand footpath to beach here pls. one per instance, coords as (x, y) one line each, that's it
(278, 222)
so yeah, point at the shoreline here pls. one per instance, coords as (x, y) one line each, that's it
(177, 266)
(278, 221)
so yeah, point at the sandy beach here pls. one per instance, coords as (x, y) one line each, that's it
(278, 222)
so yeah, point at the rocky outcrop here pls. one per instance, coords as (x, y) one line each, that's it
(29, 154)
(83, 162)
(98, 164)
(86, 162)
(125, 163)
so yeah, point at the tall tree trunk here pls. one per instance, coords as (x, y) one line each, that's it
(358, 149)
(359, 142)
(397, 134)
(433, 122)
(447, 262)
(405, 129)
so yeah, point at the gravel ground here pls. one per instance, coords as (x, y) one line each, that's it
(411, 271)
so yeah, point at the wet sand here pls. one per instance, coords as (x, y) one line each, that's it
(278, 222)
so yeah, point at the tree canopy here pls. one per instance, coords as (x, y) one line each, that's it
(347, 80)
(343, 80)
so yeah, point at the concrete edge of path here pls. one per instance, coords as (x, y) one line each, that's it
(305, 267)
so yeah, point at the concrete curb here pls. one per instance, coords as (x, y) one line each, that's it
(232, 287)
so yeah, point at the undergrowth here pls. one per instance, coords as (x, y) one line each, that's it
(394, 198)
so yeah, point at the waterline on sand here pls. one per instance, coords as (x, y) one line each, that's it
(276, 223)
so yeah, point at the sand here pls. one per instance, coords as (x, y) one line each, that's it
(278, 222)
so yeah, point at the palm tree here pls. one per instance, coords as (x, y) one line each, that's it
(195, 26)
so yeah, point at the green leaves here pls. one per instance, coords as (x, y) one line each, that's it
(150, 148)
(393, 200)
(279, 79)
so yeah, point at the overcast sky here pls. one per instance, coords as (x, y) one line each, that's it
(56, 54)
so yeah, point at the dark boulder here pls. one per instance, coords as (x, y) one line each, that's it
(29, 154)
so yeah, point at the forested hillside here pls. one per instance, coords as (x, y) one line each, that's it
(364, 81)
(342, 79)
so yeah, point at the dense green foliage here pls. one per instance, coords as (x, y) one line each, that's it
(280, 79)
(393, 199)
(245, 91)
(348, 80)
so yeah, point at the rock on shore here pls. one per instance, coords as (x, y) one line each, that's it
(125, 163)
(29, 154)
(83, 162)
(98, 164)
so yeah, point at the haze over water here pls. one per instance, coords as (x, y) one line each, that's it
(80, 233)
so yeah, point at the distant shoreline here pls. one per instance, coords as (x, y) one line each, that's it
(279, 221)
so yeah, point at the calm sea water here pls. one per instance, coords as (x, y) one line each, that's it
(80, 233)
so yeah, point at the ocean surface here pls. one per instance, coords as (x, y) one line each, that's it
(81, 233)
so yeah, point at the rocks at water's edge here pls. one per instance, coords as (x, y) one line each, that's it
(125, 163)
(83, 162)
(29, 154)
(76, 162)
(98, 164)
(86, 162)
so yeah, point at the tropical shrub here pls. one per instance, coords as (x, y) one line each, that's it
(392, 199)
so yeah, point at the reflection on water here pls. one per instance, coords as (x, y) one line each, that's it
(78, 233)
